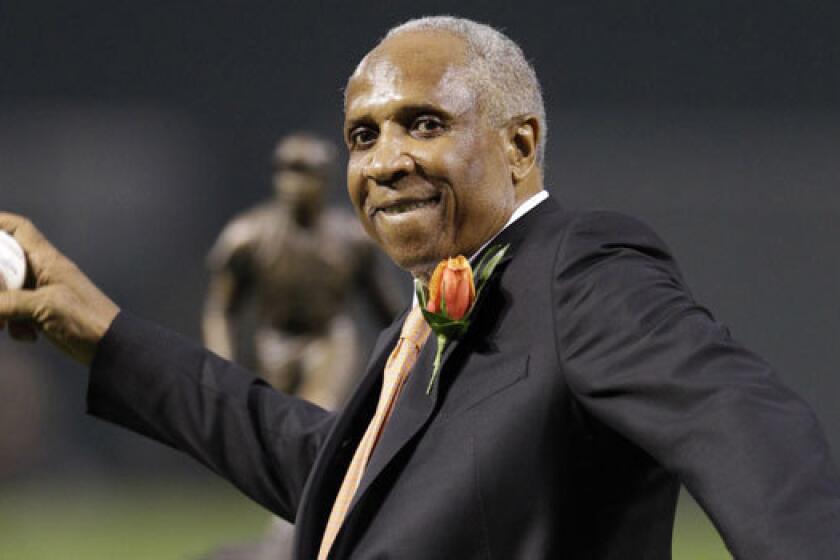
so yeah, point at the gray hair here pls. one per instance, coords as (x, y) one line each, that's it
(497, 68)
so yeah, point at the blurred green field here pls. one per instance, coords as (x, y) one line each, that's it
(180, 521)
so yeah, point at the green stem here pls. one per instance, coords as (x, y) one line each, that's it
(441, 345)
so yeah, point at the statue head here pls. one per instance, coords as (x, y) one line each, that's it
(303, 166)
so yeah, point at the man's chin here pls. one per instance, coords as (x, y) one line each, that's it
(420, 262)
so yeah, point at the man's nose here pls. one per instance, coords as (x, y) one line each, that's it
(388, 158)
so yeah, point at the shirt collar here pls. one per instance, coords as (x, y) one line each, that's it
(520, 211)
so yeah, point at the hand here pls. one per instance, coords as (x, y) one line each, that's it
(63, 303)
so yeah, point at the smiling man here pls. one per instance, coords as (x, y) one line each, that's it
(432, 173)
(588, 385)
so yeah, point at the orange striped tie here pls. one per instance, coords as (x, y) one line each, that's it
(414, 333)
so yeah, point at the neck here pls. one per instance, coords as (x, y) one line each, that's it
(528, 186)
(304, 215)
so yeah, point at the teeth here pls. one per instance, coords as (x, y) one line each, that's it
(401, 207)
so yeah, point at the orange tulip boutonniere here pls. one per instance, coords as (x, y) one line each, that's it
(452, 293)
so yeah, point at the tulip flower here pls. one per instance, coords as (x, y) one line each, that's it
(451, 296)
(451, 289)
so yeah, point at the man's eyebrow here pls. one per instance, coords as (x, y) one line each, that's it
(352, 123)
(401, 113)
(411, 111)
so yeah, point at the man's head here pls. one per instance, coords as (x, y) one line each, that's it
(303, 164)
(445, 125)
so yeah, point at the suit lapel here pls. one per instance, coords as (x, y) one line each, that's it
(413, 410)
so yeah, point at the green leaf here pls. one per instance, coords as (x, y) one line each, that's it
(485, 270)
(421, 293)
(494, 256)
(478, 268)
(452, 330)
(442, 324)
(441, 345)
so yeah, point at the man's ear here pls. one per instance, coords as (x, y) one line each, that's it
(522, 137)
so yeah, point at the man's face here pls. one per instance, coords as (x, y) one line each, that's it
(427, 174)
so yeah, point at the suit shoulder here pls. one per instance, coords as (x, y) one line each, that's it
(600, 230)
(611, 224)
(554, 220)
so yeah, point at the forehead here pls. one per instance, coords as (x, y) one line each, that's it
(422, 67)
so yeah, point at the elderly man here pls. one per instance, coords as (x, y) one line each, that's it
(587, 385)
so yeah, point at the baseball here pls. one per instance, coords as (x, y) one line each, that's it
(12, 263)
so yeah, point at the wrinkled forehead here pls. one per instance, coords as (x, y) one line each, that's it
(428, 66)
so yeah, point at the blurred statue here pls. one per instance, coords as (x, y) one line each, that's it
(299, 262)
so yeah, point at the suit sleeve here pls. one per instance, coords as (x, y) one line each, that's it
(646, 360)
(158, 384)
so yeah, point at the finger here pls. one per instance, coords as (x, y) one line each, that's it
(23, 331)
(19, 304)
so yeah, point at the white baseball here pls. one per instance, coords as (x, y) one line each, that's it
(12, 263)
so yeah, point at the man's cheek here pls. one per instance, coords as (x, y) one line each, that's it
(353, 178)
(354, 192)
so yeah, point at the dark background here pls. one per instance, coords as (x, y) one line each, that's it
(130, 132)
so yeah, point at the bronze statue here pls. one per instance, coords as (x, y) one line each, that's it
(299, 261)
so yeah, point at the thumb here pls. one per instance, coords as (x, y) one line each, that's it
(40, 254)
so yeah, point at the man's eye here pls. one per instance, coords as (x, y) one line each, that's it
(427, 125)
(362, 137)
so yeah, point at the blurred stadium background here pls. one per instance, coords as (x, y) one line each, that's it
(132, 131)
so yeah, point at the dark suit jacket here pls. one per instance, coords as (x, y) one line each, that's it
(589, 384)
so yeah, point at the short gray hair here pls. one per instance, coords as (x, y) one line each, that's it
(497, 68)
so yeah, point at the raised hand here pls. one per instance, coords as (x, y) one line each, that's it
(59, 300)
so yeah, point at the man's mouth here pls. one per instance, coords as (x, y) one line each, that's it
(404, 206)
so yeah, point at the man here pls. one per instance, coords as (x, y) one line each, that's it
(305, 343)
(588, 384)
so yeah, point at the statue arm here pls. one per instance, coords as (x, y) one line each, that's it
(229, 262)
(223, 295)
